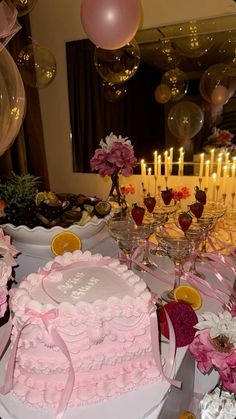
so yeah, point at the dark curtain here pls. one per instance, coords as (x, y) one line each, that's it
(27, 154)
(137, 115)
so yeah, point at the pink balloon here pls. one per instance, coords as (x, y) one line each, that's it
(162, 93)
(110, 24)
(220, 95)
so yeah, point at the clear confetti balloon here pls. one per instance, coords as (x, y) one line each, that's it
(114, 92)
(37, 65)
(12, 100)
(196, 43)
(163, 55)
(24, 6)
(176, 81)
(185, 120)
(227, 51)
(117, 66)
(217, 85)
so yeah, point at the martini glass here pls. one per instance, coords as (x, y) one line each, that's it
(128, 236)
(178, 248)
(207, 223)
(195, 235)
(161, 215)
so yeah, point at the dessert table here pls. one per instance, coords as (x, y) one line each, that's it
(152, 401)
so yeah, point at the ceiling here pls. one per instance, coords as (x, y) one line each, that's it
(191, 46)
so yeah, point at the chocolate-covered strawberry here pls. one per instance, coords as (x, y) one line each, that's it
(167, 196)
(185, 221)
(200, 195)
(137, 213)
(149, 203)
(197, 209)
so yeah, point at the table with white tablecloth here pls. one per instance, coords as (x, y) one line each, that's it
(152, 401)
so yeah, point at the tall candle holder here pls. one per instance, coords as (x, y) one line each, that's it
(224, 198)
(155, 186)
(232, 199)
(144, 190)
(200, 182)
(166, 181)
(217, 192)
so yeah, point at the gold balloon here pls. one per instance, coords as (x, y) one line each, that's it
(24, 6)
(162, 93)
(37, 65)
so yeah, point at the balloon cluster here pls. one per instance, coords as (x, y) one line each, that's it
(12, 100)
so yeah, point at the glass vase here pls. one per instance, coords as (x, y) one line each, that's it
(219, 403)
(116, 198)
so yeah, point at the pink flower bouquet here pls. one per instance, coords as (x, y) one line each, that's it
(115, 155)
(214, 346)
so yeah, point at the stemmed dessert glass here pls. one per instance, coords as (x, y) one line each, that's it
(128, 236)
(178, 248)
(195, 235)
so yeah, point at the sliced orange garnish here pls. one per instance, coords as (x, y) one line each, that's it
(187, 415)
(66, 241)
(189, 295)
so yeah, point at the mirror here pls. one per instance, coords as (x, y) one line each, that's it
(130, 109)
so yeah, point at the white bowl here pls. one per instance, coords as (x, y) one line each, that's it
(42, 236)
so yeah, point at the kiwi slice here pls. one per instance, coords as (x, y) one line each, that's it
(102, 208)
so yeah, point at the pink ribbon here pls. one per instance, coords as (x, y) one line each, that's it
(8, 23)
(57, 340)
(156, 345)
(194, 280)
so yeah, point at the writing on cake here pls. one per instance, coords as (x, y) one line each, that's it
(74, 287)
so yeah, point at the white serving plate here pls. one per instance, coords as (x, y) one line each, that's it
(43, 236)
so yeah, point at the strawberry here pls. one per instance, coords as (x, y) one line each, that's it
(185, 220)
(197, 209)
(167, 196)
(150, 202)
(137, 213)
(200, 195)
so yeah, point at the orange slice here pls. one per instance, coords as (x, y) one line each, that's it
(66, 241)
(187, 415)
(189, 295)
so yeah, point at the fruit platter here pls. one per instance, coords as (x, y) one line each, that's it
(35, 217)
